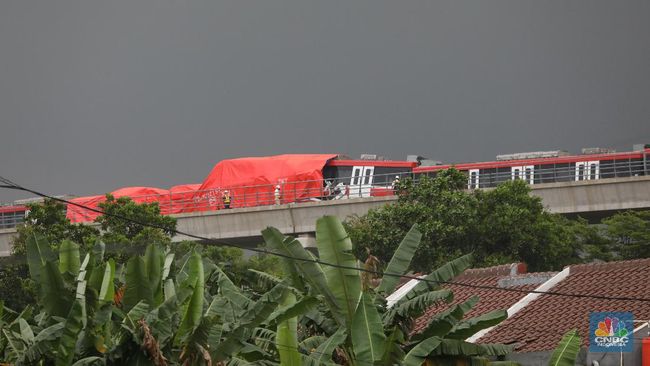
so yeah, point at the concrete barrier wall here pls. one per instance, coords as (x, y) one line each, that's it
(294, 218)
(596, 195)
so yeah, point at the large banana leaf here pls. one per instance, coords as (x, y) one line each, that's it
(393, 354)
(26, 333)
(230, 292)
(96, 277)
(44, 342)
(311, 343)
(567, 350)
(335, 247)
(286, 340)
(167, 265)
(322, 319)
(69, 259)
(130, 321)
(438, 277)
(416, 306)
(162, 320)
(294, 309)
(98, 251)
(153, 261)
(323, 354)
(169, 289)
(469, 327)
(67, 343)
(456, 347)
(194, 309)
(56, 298)
(418, 354)
(38, 253)
(310, 271)
(275, 240)
(367, 331)
(440, 324)
(107, 289)
(254, 316)
(400, 261)
(137, 284)
(264, 338)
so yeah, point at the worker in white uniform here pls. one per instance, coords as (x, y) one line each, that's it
(277, 194)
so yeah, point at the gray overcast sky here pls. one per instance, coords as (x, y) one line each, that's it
(96, 95)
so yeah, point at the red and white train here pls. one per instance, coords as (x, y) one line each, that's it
(281, 179)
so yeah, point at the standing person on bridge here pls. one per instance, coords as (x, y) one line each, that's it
(225, 196)
(277, 194)
(395, 183)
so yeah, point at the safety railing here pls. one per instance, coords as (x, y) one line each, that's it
(262, 194)
(354, 187)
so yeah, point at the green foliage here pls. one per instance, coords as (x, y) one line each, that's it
(377, 333)
(287, 335)
(48, 220)
(233, 262)
(178, 307)
(343, 280)
(629, 234)
(366, 331)
(501, 225)
(117, 230)
(567, 350)
(82, 318)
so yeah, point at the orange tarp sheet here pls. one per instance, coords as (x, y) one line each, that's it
(253, 181)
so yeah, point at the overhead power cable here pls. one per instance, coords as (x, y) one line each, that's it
(317, 261)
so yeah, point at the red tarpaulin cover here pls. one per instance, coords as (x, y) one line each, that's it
(298, 175)
(137, 194)
(182, 197)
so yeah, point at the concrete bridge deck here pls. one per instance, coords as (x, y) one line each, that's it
(594, 198)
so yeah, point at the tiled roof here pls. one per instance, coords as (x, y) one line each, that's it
(539, 326)
(509, 276)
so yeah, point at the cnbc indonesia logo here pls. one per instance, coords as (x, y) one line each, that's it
(611, 332)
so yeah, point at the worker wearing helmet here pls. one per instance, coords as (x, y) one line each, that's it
(277, 194)
(395, 182)
(225, 196)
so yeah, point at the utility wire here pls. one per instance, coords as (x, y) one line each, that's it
(317, 261)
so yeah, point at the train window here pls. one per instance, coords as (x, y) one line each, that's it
(529, 174)
(367, 174)
(473, 182)
(525, 172)
(593, 170)
(356, 175)
(587, 170)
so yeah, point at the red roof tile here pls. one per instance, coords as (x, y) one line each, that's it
(489, 299)
(539, 326)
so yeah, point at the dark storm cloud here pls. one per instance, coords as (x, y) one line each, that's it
(96, 95)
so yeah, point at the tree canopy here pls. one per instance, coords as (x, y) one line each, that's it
(500, 225)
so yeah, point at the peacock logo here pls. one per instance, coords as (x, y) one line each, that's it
(611, 327)
(611, 331)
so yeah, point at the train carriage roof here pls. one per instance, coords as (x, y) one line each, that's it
(534, 161)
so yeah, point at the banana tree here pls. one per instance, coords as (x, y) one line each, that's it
(566, 352)
(353, 323)
(153, 311)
